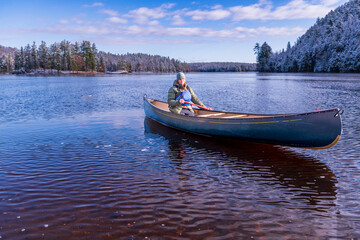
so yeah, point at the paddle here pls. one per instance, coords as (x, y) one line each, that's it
(199, 106)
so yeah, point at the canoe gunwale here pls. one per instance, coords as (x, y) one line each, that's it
(259, 116)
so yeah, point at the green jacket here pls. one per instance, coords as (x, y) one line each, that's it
(174, 91)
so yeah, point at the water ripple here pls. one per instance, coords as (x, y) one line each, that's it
(74, 167)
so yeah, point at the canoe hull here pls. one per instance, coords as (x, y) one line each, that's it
(320, 129)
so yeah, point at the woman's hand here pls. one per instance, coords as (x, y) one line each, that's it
(181, 101)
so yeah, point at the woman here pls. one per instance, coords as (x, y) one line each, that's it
(180, 93)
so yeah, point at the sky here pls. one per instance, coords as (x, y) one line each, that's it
(190, 31)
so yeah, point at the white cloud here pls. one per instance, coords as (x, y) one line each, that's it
(280, 31)
(218, 6)
(153, 23)
(75, 19)
(97, 4)
(329, 2)
(216, 14)
(156, 31)
(111, 13)
(144, 15)
(136, 41)
(262, 10)
(117, 20)
(252, 12)
(80, 29)
(299, 9)
(295, 9)
(177, 20)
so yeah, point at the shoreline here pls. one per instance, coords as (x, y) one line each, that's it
(58, 73)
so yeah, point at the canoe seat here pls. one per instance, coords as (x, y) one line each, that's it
(211, 115)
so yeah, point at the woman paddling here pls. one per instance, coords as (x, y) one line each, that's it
(180, 96)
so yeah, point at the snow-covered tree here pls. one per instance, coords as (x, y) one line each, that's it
(330, 45)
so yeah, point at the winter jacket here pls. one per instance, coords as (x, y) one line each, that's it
(174, 91)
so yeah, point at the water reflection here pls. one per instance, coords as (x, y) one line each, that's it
(302, 176)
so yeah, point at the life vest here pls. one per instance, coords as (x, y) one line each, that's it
(186, 95)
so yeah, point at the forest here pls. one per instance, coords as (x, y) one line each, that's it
(67, 57)
(80, 57)
(332, 44)
(222, 67)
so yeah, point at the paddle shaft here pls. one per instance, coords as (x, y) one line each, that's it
(197, 105)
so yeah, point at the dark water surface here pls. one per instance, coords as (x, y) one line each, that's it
(79, 160)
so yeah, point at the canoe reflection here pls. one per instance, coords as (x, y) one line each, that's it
(274, 164)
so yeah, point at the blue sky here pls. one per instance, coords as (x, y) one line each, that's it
(191, 31)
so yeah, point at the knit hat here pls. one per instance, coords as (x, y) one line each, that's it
(180, 75)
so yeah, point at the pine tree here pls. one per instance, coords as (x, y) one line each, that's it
(263, 55)
(34, 57)
(102, 67)
(93, 54)
(10, 63)
(43, 54)
(28, 64)
(55, 53)
(331, 45)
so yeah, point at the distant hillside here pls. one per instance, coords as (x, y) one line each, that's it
(222, 67)
(6, 50)
(331, 45)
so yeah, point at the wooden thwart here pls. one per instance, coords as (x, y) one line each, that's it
(237, 116)
(220, 115)
(211, 115)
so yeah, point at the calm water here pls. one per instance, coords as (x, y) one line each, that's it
(79, 160)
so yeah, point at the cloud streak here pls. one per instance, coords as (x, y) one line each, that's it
(97, 4)
(149, 31)
(215, 14)
(263, 10)
(109, 12)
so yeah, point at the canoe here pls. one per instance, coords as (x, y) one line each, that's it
(319, 129)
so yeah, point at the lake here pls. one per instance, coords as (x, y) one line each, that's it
(79, 160)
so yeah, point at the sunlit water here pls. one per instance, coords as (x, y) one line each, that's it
(79, 160)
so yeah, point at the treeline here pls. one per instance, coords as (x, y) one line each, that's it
(331, 45)
(222, 67)
(84, 56)
(63, 56)
(140, 62)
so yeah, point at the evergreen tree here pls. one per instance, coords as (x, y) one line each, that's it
(28, 64)
(19, 60)
(2, 65)
(88, 56)
(43, 54)
(288, 46)
(93, 54)
(34, 57)
(330, 45)
(101, 67)
(10, 63)
(65, 50)
(55, 53)
(263, 55)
